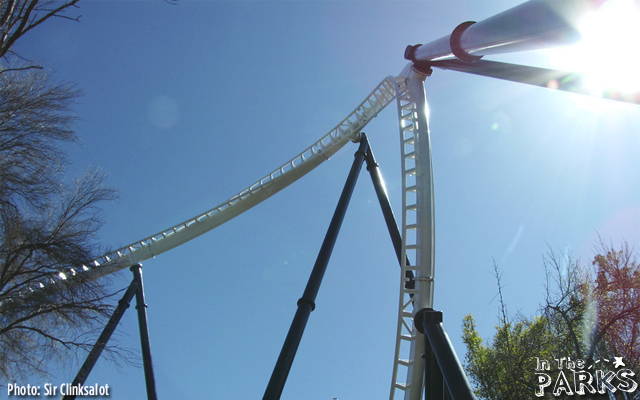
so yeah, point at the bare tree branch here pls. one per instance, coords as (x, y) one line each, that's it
(20, 17)
(46, 226)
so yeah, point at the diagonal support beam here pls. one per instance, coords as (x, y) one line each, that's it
(141, 306)
(387, 212)
(95, 352)
(429, 322)
(306, 304)
(136, 288)
(572, 82)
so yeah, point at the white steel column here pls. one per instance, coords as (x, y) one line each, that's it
(418, 239)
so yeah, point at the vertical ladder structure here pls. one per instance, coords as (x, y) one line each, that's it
(418, 245)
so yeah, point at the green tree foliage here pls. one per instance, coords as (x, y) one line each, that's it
(505, 368)
(589, 314)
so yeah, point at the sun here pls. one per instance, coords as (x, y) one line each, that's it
(607, 53)
(610, 38)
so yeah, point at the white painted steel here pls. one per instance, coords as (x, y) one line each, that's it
(272, 183)
(418, 240)
(536, 24)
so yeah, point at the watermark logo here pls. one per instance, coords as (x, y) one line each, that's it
(575, 377)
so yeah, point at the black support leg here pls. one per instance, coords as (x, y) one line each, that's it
(141, 306)
(387, 212)
(429, 322)
(306, 304)
(434, 388)
(95, 352)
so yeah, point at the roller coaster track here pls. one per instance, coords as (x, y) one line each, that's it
(415, 292)
(294, 169)
(548, 24)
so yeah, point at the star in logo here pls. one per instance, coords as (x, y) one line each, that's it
(618, 362)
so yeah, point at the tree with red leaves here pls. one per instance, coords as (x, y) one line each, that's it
(589, 314)
(617, 293)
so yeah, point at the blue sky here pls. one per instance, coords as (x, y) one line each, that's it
(186, 105)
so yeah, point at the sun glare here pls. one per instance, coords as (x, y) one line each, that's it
(607, 54)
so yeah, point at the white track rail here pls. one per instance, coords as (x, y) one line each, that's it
(270, 184)
(417, 210)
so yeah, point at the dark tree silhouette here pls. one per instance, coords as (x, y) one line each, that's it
(17, 17)
(46, 228)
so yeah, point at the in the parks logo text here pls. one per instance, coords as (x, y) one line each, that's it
(566, 377)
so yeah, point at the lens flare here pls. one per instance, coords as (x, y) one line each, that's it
(607, 54)
(610, 37)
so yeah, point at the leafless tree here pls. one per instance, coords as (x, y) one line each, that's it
(46, 228)
(17, 17)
